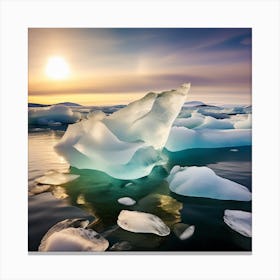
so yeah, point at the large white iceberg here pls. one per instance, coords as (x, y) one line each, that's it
(126, 144)
(52, 115)
(182, 138)
(203, 182)
(239, 221)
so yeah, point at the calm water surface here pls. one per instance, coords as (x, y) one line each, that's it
(94, 196)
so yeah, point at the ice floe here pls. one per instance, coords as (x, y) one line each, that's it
(52, 115)
(182, 138)
(71, 235)
(203, 182)
(141, 222)
(183, 231)
(126, 144)
(126, 201)
(239, 221)
(54, 177)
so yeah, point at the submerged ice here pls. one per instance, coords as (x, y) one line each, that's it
(203, 182)
(126, 144)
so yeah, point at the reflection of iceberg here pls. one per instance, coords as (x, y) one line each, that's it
(203, 182)
(182, 138)
(52, 115)
(239, 221)
(127, 144)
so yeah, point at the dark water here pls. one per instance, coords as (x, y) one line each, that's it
(94, 195)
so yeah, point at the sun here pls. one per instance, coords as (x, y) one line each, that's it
(57, 68)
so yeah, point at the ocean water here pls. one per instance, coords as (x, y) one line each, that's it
(94, 196)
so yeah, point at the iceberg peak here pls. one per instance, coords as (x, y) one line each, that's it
(126, 144)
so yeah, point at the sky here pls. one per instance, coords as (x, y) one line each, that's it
(107, 66)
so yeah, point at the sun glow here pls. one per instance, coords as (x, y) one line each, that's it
(57, 68)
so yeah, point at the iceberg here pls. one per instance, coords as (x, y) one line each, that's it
(239, 221)
(52, 115)
(203, 182)
(182, 138)
(128, 143)
(140, 222)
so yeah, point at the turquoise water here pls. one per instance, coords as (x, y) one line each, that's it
(94, 195)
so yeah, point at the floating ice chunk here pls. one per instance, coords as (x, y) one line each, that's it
(53, 177)
(182, 138)
(52, 115)
(72, 235)
(127, 144)
(244, 124)
(233, 150)
(126, 201)
(141, 222)
(74, 239)
(212, 123)
(239, 221)
(183, 231)
(203, 182)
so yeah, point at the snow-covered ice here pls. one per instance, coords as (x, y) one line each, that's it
(141, 222)
(239, 221)
(203, 182)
